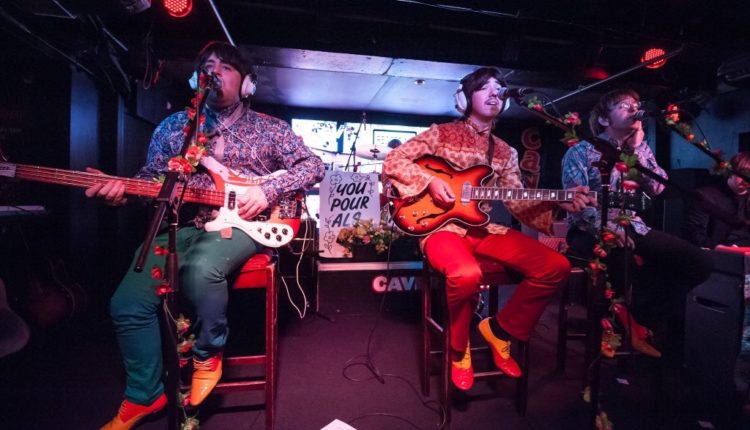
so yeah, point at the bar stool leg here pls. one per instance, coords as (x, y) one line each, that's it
(426, 340)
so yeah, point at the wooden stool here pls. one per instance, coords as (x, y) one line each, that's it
(493, 275)
(258, 272)
(579, 279)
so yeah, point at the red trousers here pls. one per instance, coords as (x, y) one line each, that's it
(542, 269)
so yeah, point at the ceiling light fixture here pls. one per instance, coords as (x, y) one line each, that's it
(652, 53)
(178, 8)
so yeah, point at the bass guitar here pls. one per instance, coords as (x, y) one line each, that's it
(275, 227)
(420, 215)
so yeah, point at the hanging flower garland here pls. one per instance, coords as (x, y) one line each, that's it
(673, 120)
(184, 165)
(197, 149)
(570, 138)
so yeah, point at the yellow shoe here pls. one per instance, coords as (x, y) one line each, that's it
(500, 350)
(206, 375)
(131, 413)
(462, 373)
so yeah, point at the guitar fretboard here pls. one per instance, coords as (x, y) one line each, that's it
(509, 194)
(137, 187)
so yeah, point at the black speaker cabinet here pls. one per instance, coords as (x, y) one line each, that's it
(713, 323)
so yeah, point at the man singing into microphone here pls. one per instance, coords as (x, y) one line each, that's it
(249, 142)
(671, 266)
(453, 248)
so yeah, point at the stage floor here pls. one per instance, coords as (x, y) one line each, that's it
(72, 378)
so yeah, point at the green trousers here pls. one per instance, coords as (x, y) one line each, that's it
(205, 260)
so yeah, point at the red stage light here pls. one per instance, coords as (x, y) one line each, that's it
(651, 54)
(178, 8)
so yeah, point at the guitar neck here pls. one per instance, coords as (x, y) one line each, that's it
(135, 187)
(522, 194)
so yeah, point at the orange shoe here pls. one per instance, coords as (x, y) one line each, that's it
(500, 350)
(638, 334)
(131, 413)
(206, 375)
(462, 372)
(608, 338)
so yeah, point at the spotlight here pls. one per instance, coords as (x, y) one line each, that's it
(651, 54)
(178, 8)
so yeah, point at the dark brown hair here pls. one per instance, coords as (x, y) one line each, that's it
(605, 105)
(475, 80)
(741, 162)
(228, 54)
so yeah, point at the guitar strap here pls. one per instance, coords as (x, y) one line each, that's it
(490, 148)
(218, 137)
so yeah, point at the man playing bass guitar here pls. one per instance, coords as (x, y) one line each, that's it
(453, 248)
(241, 139)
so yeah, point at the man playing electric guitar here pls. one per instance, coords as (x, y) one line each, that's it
(453, 248)
(241, 139)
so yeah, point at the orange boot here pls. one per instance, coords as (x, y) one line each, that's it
(206, 374)
(462, 372)
(131, 413)
(500, 350)
(610, 340)
(638, 333)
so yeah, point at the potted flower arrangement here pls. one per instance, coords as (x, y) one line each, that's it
(366, 237)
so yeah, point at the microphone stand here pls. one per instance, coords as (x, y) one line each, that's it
(167, 203)
(596, 295)
(353, 150)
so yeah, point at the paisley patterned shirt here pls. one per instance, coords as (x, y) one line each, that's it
(255, 144)
(578, 169)
(461, 145)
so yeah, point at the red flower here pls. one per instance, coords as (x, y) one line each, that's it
(179, 164)
(202, 139)
(160, 250)
(608, 293)
(609, 237)
(538, 108)
(572, 142)
(572, 118)
(690, 137)
(621, 167)
(623, 222)
(629, 185)
(163, 289)
(195, 153)
(156, 272)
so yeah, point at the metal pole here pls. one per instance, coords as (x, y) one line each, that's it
(617, 75)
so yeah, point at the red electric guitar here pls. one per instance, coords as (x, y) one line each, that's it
(420, 215)
(275, 227)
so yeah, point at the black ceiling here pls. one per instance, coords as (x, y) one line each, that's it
(367, 54)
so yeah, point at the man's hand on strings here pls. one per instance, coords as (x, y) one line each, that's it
(252, 203)
(441, 192)
(111, 191)
(580, 200)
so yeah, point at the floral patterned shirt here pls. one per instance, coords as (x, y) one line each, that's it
(578, 169)
(463, 146)
(254, 145)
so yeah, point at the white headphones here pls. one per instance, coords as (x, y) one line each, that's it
(461, 103)
(246, 90)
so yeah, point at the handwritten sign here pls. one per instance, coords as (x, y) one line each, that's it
(344, 198)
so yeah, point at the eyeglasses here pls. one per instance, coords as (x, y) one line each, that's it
(628, 105)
